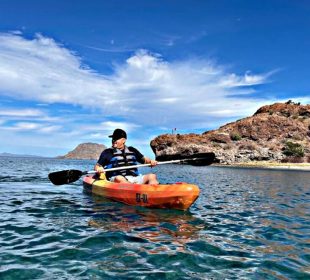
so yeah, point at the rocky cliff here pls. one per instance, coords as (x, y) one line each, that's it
(278, 132)
(85, 151)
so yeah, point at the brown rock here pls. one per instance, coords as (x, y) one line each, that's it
(85, 151)
(260, 137)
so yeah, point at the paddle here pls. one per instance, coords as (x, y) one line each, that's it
(72, 175)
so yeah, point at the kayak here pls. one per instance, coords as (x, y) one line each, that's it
(171, 196)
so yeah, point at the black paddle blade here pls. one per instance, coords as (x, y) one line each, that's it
(65, 176)
(198, 159)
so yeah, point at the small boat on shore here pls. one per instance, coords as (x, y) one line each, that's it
(170, 196)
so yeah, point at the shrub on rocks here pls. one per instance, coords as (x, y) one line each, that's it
(292, 149)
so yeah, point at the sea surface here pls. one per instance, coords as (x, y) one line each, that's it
(246, 224)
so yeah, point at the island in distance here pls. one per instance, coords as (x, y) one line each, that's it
(19, 155)
(85, 151)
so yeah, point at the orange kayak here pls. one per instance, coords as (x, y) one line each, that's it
(172, 196)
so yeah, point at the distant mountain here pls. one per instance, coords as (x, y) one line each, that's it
(17, 155)
(85, 151)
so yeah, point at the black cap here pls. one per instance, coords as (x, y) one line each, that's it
(118, 134)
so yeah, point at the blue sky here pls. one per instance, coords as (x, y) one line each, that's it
(71, 71)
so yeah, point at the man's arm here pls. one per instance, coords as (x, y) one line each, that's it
(150, 161)
(102, 161)
(141, 158)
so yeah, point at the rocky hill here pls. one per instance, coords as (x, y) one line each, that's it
(278, 133)
(85, 151)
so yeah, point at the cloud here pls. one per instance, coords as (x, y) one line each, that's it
(145, 90)
(27, 119)
(103, 129)
(20, 113)
(111, 49)
(23, 121)
(111, 125)
(31, 126)
(26, 126)
(232, 80)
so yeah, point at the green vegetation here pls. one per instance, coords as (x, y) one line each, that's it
(235, 136)
(293, 149)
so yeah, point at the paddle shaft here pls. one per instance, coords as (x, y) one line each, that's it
(72, 175)
(141, 165)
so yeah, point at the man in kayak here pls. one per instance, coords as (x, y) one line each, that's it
(120, 155)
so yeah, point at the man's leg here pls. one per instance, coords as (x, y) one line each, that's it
(150, 179)
(120, 179)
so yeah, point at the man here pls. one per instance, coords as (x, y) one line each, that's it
(121, 155)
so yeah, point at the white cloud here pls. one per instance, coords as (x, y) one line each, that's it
(50, 128)
(24, 119)
(145, 90)
(31, 126)
(20, 113)
(108, 127)
(96, 136)
(26, 126)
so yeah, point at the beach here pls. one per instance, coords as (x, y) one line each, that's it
(270, 165)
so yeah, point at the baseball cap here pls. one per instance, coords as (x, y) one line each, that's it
(118, 134)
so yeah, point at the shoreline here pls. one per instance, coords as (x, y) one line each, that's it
(269, 165)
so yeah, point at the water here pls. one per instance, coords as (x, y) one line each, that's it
(246, 224)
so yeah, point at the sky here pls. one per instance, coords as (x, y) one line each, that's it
(72, 71)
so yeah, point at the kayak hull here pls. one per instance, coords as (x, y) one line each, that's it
(171, 196)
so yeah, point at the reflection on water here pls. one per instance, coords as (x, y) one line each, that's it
(159, 227)
(246, 224)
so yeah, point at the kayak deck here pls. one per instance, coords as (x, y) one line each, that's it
(172, 196)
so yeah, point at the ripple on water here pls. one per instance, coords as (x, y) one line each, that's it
(246, 224)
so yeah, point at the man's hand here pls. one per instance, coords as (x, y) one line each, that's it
(151, 162)
(99, 169)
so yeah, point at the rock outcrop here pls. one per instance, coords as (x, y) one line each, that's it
(85, 151)
(278, 132)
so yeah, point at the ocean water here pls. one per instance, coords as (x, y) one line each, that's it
(246, 224)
